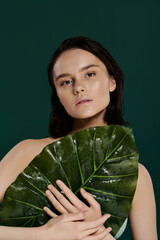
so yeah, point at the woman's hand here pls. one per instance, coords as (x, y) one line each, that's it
(75, 205)
(72, 227)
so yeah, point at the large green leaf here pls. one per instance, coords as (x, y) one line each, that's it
(103, 160)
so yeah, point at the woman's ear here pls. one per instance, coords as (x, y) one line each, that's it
(112, 84)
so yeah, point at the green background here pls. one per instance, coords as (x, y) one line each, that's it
(32, 30)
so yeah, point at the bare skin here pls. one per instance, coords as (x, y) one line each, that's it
(9, 170)
(142, 215)
(94, 84)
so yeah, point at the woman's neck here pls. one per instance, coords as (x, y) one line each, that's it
(81, 124)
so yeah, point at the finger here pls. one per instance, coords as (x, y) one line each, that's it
(86, 233)
(49, 212)
(62, 200)
(71, 196)
(79, 216)
(99, 236)
(95, 223)
(90, 199)
(55, 203)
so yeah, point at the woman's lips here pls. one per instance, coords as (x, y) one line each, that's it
(83, 101)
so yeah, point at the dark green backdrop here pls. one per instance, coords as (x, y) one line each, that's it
(32, 30)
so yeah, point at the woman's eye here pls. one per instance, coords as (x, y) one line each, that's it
(90, 74)
(66, 82)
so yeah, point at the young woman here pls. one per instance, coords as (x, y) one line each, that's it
(87, 87)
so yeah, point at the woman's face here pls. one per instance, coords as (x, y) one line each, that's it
(82, 83)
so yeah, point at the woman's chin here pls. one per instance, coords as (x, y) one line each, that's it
(89, 115)
(89, 118)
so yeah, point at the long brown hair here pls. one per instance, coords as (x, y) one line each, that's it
(61, 122)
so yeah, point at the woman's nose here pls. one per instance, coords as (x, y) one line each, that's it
(78, 88)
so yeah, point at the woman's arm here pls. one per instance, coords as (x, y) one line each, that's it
(19, 233)
(63, 227)
(142, 215)
(15, 161)
(71, 226)
(68, 227)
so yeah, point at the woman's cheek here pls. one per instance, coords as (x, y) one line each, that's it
(98, 86)
(62, 96)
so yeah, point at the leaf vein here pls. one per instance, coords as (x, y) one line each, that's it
(94, 161)
(79, 165)
(27, 222)
(126, 175)
(110, 140)
(112, 194)
(35, 187)
(62, 169)
(28, 204)
(42, 173)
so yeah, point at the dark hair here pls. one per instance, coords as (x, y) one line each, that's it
(60, 123)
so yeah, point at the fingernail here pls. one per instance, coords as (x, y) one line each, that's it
(47, 192)
(50, 186)
(58, 182)
(82, 190)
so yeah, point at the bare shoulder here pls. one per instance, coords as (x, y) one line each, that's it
(18, 158)
(25, 150)
(143, 175)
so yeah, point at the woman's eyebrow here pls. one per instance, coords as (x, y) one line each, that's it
(82, 69)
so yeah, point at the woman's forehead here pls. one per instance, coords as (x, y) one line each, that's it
(75, 59)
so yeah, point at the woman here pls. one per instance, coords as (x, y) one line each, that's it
(87, 87)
